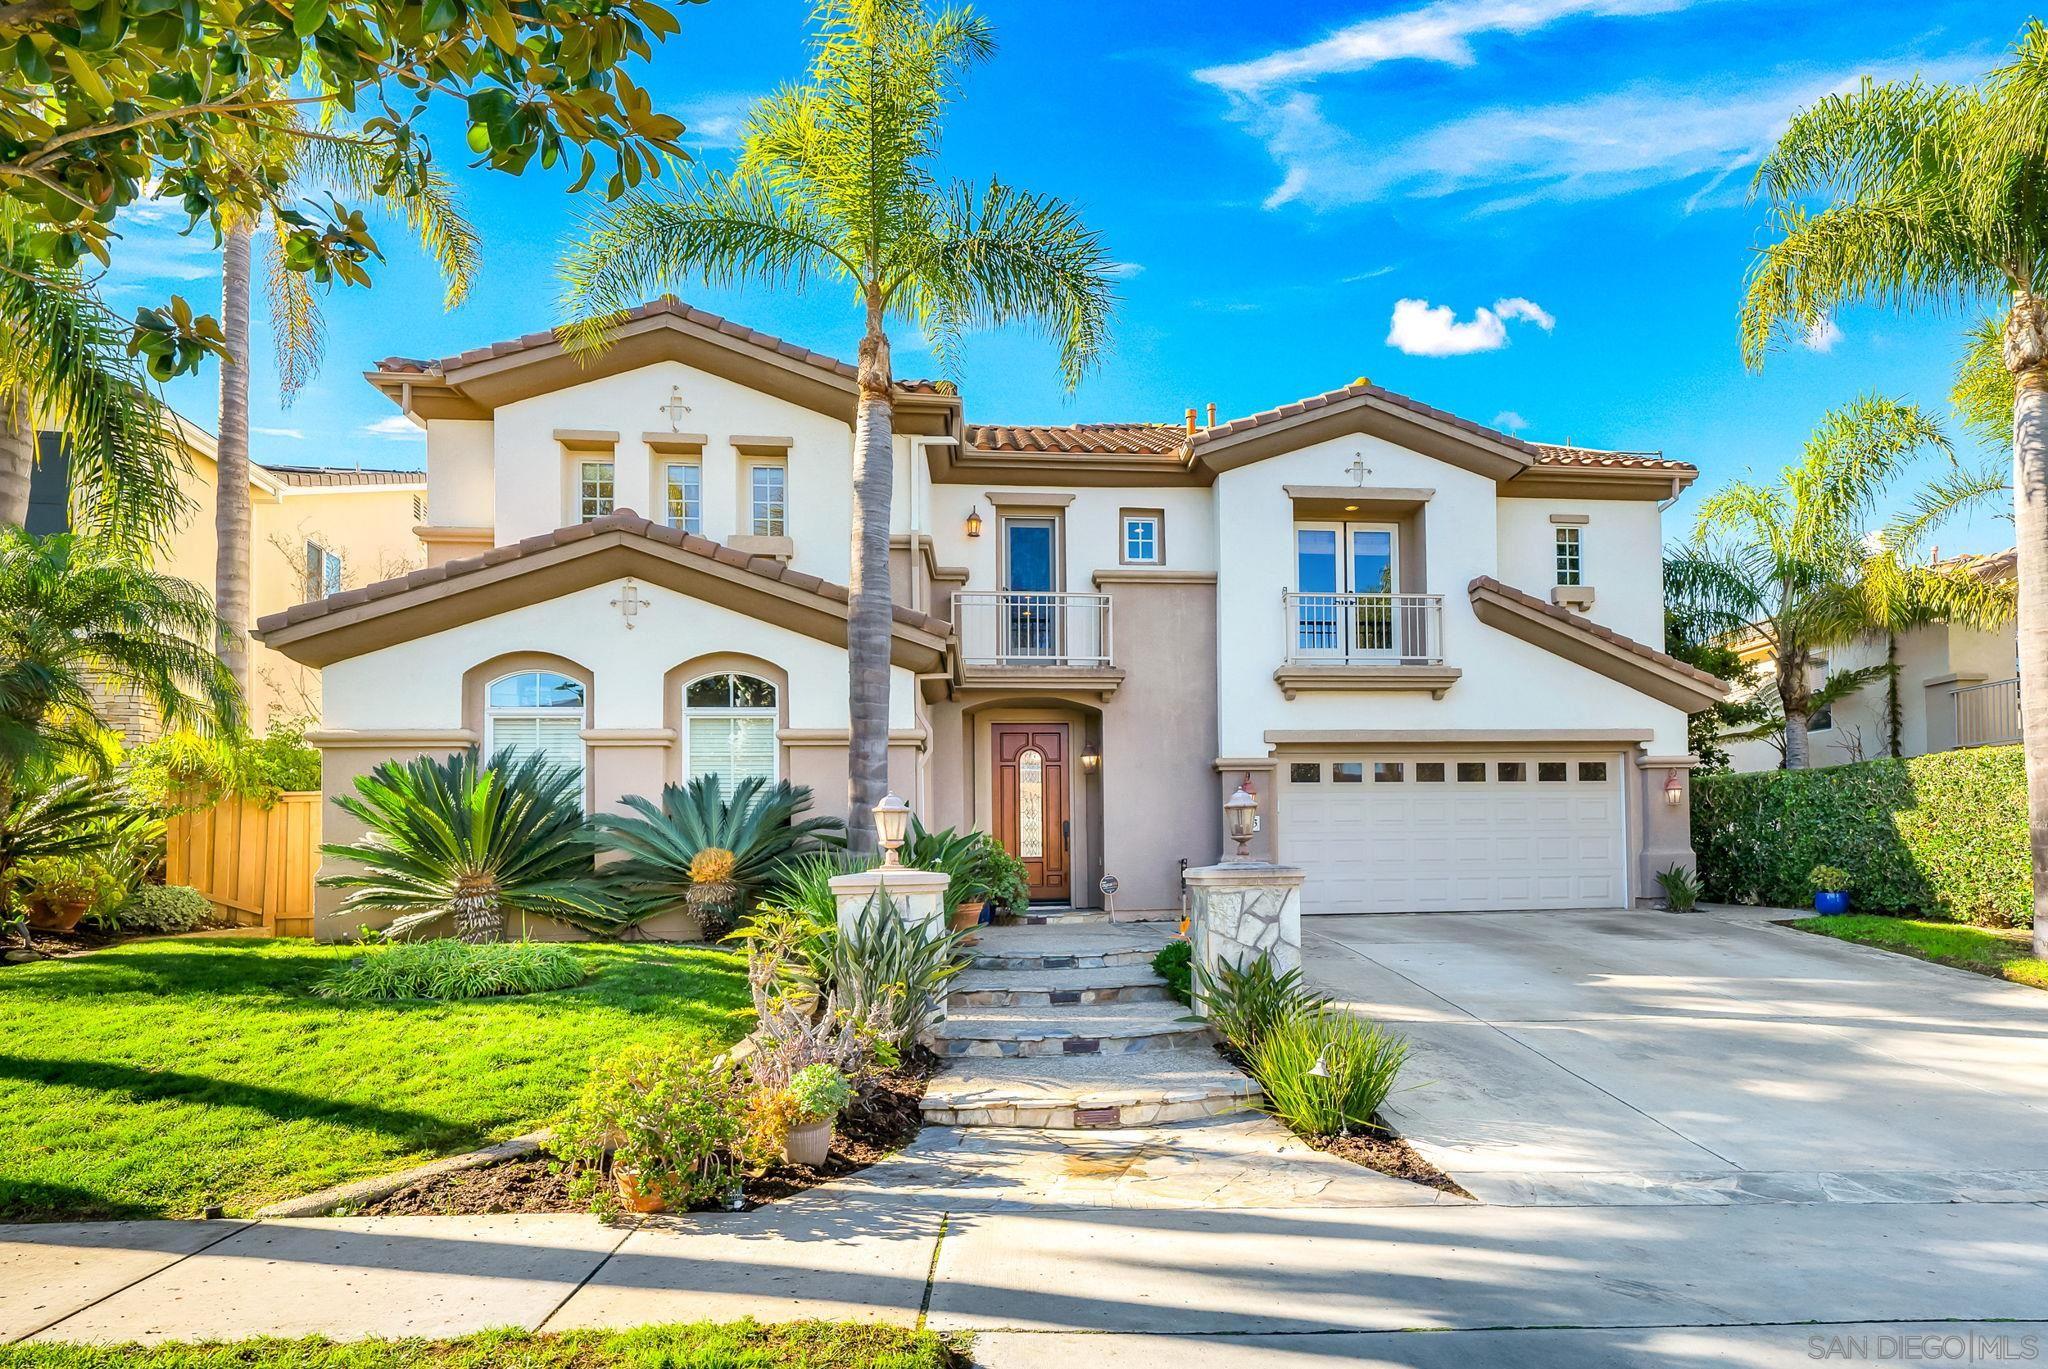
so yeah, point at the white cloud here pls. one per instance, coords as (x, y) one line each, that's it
(295, 434)
(1124, 270)
(716, 121)
(1441, 32)
(1424, 330)
(1822, 336)
(397, 427)
(1508, 421)
(1373, 274)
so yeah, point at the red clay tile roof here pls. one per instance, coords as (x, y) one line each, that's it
(1354, 390)
(1550, 454)
(626, 521)
(330, 477)
(1106, 439)
(652, 309)
(1579, 621)
(1996, 565)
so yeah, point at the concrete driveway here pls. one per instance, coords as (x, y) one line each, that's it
(1649, 1058)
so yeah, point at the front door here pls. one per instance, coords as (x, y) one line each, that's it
(1031, 803)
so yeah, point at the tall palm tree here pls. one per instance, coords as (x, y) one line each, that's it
(429, 206)
(835, 181)
(1933, 198)
(75, 612)
(1787, 560)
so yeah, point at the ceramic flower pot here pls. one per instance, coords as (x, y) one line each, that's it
(59, 916)
(968, 914)
(1830, 903)
(637, 1197)
(809, 1143)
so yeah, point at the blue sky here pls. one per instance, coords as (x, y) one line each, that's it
(1298, 195)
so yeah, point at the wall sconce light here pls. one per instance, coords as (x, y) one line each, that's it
(1091, 759)
(892, 825)
(974, 521)
(1674, 789)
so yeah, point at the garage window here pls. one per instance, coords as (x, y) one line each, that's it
(1388, 772)
(1471, 772)
(1429, 772)
(1551, 772)
(1347, 772)
(1511, 772)
(1593, 772)
(1305, 772)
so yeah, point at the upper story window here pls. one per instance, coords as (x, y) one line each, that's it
(1143, 539)
(1569, 566)
(729, 724)
(768, 500)
(323, 571)
(685, 496)
(536, 711)
(593, 490)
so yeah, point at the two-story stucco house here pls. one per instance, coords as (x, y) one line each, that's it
(1427, 645)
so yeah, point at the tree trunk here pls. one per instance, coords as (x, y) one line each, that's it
(478, 915)
(1793, 699)
(231, 492)
(1894, 717)
(17, 460)
(869, 600)
(2026, 355)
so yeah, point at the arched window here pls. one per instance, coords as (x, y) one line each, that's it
(729, 728)
(536, 710)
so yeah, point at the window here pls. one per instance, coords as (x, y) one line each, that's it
(1143, 542)
(770, 492)
(1471, 772)
(729, 728)
(1550, 772)
(593, 490)
(1031, 804)
(323, 571)
(1305, 772)
(1429, 772)
(685, 481)
(1389, 772)
(1347, 772)
(1511, 772)
(536, 711)
(1593, 772)
(1568, 556)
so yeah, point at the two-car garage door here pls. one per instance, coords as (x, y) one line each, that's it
(1417, 833)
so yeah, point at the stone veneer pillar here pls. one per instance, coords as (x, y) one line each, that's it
(919, 896)
(1241, 910)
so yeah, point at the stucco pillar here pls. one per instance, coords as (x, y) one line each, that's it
(919, 896)
(626, 761)
(1939, 704)
(1240, 911)
(1665, 838)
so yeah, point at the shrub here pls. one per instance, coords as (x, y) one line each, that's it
(671, 1115)
(186, 771)
(165, 908)
(1681, 888)
(72, 879)
(1358, 1061)
(1942, 835)
(44, 816)
(894, 974)
(1245, 1001)
(1175, 964)
(1829, 879)
(1002, 877)
(820, 1091)
(446, 969)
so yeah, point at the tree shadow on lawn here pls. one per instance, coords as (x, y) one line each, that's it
(34, 1200)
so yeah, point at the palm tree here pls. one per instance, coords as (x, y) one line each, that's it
(452, 838)
(1934, 194)
(1787, 560)
(835, 181)
(429, 205)
(75, 613)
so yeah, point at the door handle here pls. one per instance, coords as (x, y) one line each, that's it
(1066, 829)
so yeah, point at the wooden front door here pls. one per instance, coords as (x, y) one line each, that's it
(1031, 803)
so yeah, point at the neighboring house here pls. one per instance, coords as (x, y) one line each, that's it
(313, 531)
(1355, 603)
(1958, 686)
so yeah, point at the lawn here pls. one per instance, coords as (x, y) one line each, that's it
(158, 1077)
(740, 1345)
(2002, 953)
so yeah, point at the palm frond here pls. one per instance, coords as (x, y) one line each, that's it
(298, 329)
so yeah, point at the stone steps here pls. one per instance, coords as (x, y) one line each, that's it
(1088, 947)
(1111, 1029)
(1053, 917)
(1057, 988)
(1067, 1093)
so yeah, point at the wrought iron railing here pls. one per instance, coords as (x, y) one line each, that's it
(1388, 629)
(1031, 628)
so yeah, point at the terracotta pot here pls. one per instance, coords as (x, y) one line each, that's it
(968, 914)
(809, 1143)
(45, 916)
(634, 1197)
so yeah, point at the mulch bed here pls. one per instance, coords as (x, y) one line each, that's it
(1389, 1154)
(885, 1120)
(85, 939)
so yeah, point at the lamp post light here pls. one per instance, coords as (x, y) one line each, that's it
(892, 825)
(1241, 821)
(1674, 789)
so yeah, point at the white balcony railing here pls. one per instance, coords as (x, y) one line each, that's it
(1988, 714)
(1028, 628)
(1364, 629)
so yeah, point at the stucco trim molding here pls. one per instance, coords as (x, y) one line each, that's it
(1100, 681)
(1576, 738)
(1954, 677)
(1686, 762)
(1030, 499)
(1436, 680)
(839, 736)
(454, 537)
(402, 739)
(587, 439)
(1624, 660)
(747, 442)
(681, 443)
(628, 736)
(1136, 575)
(1385, 496)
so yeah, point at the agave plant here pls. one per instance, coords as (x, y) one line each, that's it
(707, 852)
(475, 841)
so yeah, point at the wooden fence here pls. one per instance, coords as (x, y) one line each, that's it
(256, 864)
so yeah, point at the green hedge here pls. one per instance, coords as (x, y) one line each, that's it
(1942, 835)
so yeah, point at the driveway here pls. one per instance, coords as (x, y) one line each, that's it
(1649, 1058)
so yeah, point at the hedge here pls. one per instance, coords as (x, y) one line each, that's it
(1943, 835)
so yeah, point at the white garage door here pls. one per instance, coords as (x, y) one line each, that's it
(1454, 833)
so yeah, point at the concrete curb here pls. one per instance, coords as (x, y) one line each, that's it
(324, 1202)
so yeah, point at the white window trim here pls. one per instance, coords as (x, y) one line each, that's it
(555, 712)
(772, 713)
(583, 465)
(1568, 540)
(667, 514)
(1158, 522)
(755, 523)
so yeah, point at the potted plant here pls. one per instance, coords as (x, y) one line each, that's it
(1830, 889)
(1002, 876)
(819, 1093)
(64, 889)
(657, 1127)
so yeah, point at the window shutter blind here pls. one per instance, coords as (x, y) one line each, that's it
(559, 739)
(732, 749)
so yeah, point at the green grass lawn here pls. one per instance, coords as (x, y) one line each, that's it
(734, 1345)
(1993, 951)
(157, 1077)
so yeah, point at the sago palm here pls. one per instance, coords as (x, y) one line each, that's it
(1932, 197)
(468, 841)
(835, 182)
(1787, 560)
(80, 620)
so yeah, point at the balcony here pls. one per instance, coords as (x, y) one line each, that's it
(1033, 641)
(1364, 642)
(1988, 714)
